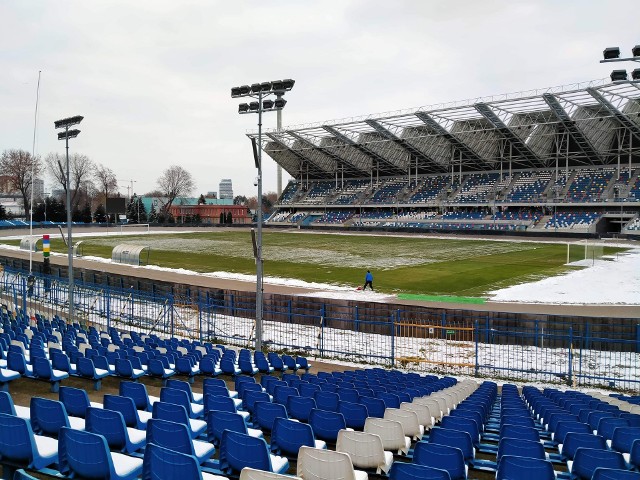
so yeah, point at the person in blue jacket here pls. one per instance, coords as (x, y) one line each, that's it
(368, 280)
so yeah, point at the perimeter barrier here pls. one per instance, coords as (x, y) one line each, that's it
(575, 351)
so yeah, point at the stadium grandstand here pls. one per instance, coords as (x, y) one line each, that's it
(564, 159)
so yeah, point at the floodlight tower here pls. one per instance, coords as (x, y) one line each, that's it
(612, 54)
(260, 92)
(65, 123)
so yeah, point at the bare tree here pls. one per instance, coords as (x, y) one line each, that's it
(175, 181)
(106, 180)
(19, 166)
(80, 171)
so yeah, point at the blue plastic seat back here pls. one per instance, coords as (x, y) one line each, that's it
(594, 418)
(101, 362)
(6, 404)
(108, 423)
(443, 457)
(170, 412)
(511, 420)
(375, 406)
(123, 367)
(575, 440)
(607, 426)
(303, 362)
(586, 460)
(219, 421)
(84, 454)
(208, 365)
(518, 431)
(164, 464)
(216, 382)
(171, 395)
(244, 387)
(355, 414)
(308, 389)
(281, 393)
(16, 362)
(238, 451)
(614, 474)
(86, 367)
(265, 414)
(215, 390)
(184, 366)
(223, 403)
(288, 436)
(181, 385)
(42, 368)
(60, 361)
(524, 468)
(463, 424)
(520, 448)
(227, 366)
(327, 401)
(326, 425)
(349, 395)
(413, 471)
(171, 435)
(565, 427)
(275, 361)
(390, 400)
(136, 391)
(16, 440)
(623, 438)
(48, 416)
(125, 406)
(453, 438)
(75, 401)
(290, 363)
(300, 407)
(253, 396)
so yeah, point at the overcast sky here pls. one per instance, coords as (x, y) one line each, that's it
(152, 77)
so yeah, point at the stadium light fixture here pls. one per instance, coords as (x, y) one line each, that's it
(65, 123)
(259, 92)
(635, 75)
(618, 75)
(635, 51)
(611, 52)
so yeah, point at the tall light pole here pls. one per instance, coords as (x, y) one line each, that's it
(65, 123)
(261, 91)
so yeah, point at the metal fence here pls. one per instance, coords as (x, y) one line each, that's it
(577, 352)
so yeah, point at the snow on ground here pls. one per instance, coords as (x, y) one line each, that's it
(613, 281)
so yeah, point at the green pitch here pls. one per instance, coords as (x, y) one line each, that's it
(403, 265)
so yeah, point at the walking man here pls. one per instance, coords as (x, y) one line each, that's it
(368, 280)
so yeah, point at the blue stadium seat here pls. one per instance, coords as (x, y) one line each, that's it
(287, 436)
(208, 366)
(184, 366)
(225, 403)
(178, 414)
(125, 369)
(326, 425)
(133, 417)
(177, 437)
(606, 426)
(623, 438)
(524, 468)
(574, 440)
(375, 406)
(563, 428)
(252, 396)
(265, 413)
(327, 401)
(157, 369)
(87, 455)
(281, 393)
(218, 382)
(520, 448)
(614, 474)
(238, 451)
(76, 401)
(517, 431)
(138, 392)
(219, 421)
(7, 406)
(163, 464)
(110, 424)
(463, 424)
(290, 363)
(19, 447)
(42, 369)
(87, 369)
(180, 397)
(413, 471)
(586, 460)
(453, 438)
(442, 457)
(300, 407)
(49, 416)
(355, 414)
(6, 376)
(194, 397)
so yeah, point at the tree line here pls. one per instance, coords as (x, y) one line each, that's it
(90, 184)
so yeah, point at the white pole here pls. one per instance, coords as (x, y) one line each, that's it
(568, 246)
(33, 159)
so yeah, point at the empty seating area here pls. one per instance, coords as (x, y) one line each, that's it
(318, 193)
(588, 185)
(476, 188)
(430, 189)
(634, 224)
(528, 187)
(335, 217)
(388, 191)
(572, 220)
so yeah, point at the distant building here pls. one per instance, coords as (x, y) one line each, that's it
(212, 213)
(38, 188)
(226, 188)
(211, 195)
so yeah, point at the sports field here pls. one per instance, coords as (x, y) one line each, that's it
(404, 265)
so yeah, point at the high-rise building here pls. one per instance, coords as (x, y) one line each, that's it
(38, 188)
(226, 188)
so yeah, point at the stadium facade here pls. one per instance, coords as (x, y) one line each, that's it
(561, 159)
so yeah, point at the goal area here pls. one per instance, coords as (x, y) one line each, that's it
(127, 228)
(584, 250)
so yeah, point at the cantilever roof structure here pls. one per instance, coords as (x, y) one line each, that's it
(585, 124)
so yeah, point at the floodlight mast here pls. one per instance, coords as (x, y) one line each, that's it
(66, 135)
(612, 54)
(260, 91)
